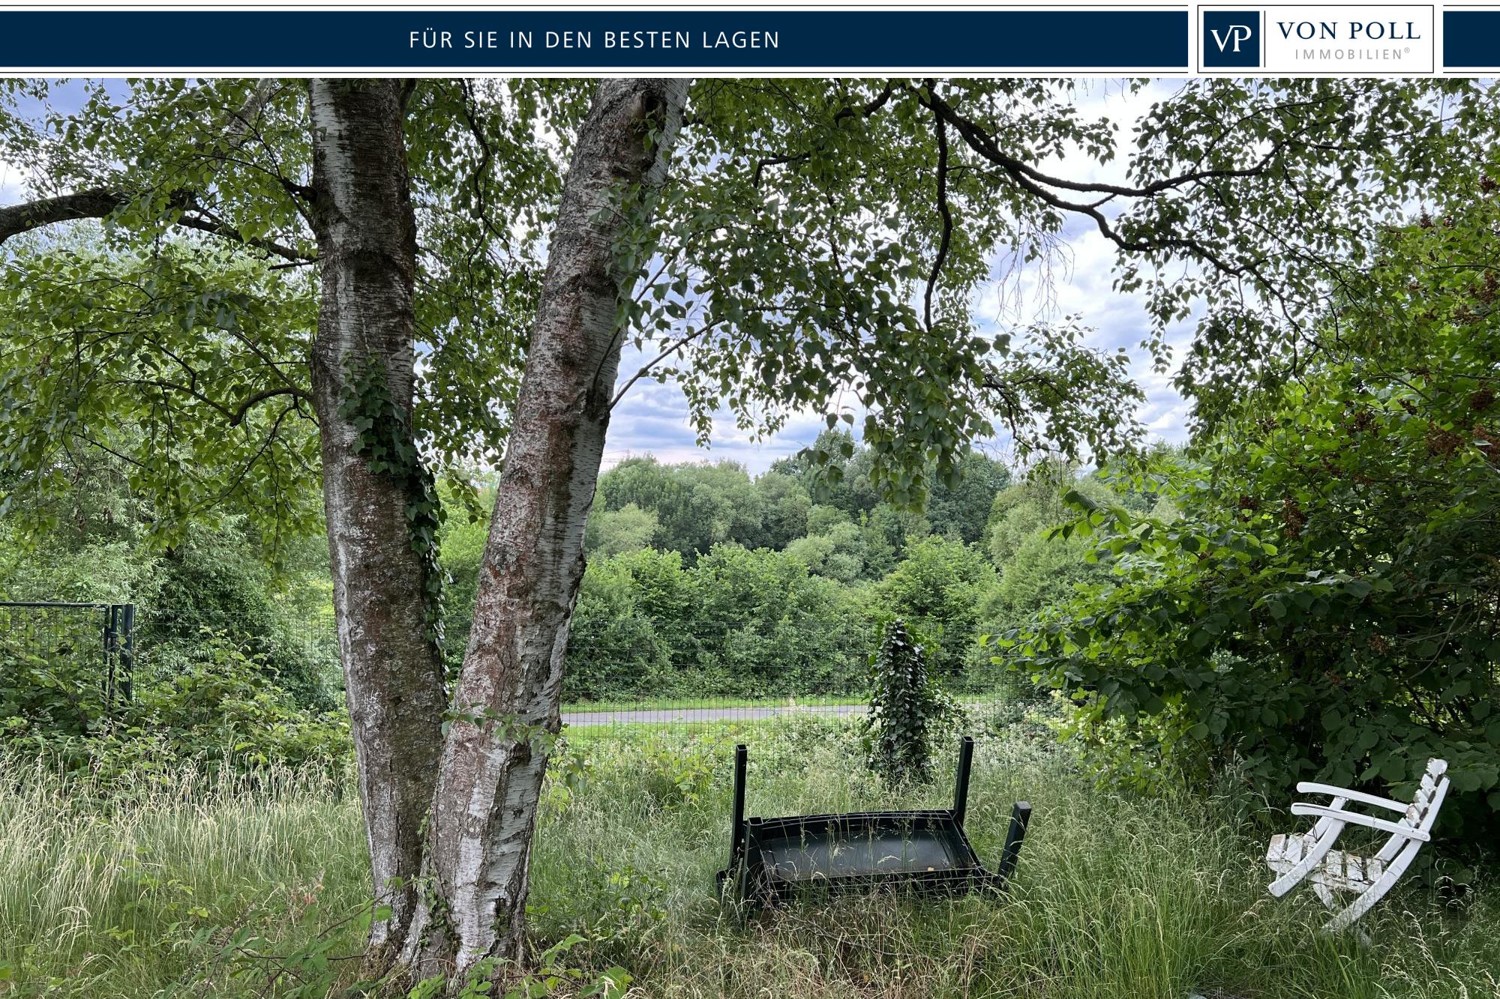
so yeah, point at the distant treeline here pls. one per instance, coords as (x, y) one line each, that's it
(703, 580)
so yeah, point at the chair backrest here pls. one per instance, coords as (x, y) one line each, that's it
(1422, 812)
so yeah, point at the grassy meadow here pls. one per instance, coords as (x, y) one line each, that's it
(210, 885)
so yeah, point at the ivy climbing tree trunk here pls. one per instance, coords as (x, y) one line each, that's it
(373, 488)
(506, 707)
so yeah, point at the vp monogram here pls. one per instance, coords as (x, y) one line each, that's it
(1235, 34)
(1231, 38)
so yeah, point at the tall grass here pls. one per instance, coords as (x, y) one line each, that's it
(1114, 897)
(105, 894)
(132, 889)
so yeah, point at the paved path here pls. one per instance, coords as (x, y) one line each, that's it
(667, 716)
(670, 716)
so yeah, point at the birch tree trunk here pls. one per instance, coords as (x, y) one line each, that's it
(506, 705)
(362, 215)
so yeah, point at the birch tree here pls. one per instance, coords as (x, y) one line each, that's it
(773, 246)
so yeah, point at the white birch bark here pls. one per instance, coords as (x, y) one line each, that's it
(484, 810)
(366, 232)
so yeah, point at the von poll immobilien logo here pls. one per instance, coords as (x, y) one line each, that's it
(1370, 39)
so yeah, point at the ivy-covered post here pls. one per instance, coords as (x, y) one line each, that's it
(905, 707)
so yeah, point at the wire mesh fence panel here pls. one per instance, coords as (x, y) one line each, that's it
(975, 698)
(65, 665)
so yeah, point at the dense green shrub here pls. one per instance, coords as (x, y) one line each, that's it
(763, 620)
(461, 550)
(937, 590)
(1315, 595)
(52, 689)
(215, 583)
(1037, 567)
(739, 622)
(630, 632)
(1326, 602)
(221, 704)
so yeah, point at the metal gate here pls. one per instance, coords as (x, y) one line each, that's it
(96, 640)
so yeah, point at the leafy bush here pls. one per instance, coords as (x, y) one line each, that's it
(220, 706)
(1322, 607)
(937, 590)
(630, 632)
(1327, 604)
(763, 620)
(56, 692)
(739, 622)
(218, 583)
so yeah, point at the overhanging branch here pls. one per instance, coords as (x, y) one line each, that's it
(94, 203)
(100, 202)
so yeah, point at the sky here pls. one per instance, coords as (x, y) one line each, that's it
(652, 418)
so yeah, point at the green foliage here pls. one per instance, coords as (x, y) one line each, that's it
(839, 472)
(1325, 602)
(739, 622)
(629, 528)
(769, 179)
(673, 777)
(1038, 567)
(773, 627)
(786, 506)
(829, 321)
(906, 708)
(937, 590)
(959, 505)
(264, 594)
(152, 365)
(734, 619)
(219, 584)
(177, 147)
(53, 688)
(461, 551)
(218, 704)
(841, 553)
(631, 628)
(552, 976)
(696, 506)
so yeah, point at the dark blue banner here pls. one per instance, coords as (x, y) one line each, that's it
(1471, 39)
(187, 40)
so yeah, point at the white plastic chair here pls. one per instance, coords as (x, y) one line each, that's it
(1311, 855)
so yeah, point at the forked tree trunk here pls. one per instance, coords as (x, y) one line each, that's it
(366, 231)
(506, 705)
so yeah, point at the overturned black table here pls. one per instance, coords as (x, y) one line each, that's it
(924, 850)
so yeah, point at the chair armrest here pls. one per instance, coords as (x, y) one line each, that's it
(1354, 818)
(1307, 787)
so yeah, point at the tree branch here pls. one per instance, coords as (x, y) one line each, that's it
(1039, 185)
(99, 202)
(645, 369)
(94, 203)
(941, 128)
(216, 228)
(256, 398)
(864, 111)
